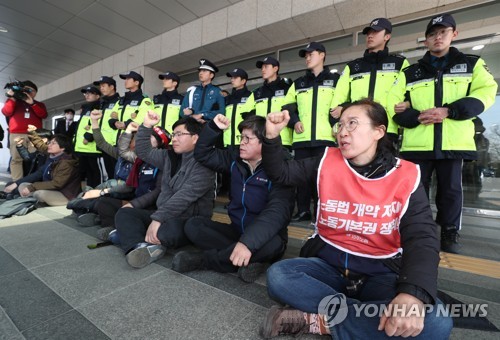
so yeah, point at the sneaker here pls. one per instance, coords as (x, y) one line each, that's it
(88, 219)
(103, 233)
(185, 261)
(114, 237)
(144, 254)
(251, 272)
(302, 216)
(281, 320)
(449, 239)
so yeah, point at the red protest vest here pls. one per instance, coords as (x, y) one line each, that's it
(360, 215)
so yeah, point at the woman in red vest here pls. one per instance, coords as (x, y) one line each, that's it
(375, 243)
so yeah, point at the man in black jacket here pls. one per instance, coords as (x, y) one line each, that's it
(259, 210)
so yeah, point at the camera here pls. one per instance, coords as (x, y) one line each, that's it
(18, 87)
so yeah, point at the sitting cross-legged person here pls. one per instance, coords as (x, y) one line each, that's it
(259, 209)
(376, 243)
(55, 182)
(187, 190)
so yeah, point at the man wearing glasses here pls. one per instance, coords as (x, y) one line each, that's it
(91, 165)
(259, 210)
(19, 114)
(435, 101)
(186, 191)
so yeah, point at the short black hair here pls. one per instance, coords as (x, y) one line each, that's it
(44, 133)
(30, 84)
(64, 142)
(255, 123)
(69, 111)
(192, 125)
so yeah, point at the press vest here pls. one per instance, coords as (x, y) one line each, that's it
(313, 96)
(359, 215)
(84, 126)
(371, 76)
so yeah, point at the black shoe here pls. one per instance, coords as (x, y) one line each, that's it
(185, 261)
(251, 272)
(449, 239)
(302, 216)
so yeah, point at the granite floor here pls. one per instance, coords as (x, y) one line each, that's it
(53, 287)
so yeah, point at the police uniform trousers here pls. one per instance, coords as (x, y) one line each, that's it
(449, 194)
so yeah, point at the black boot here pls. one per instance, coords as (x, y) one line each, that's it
(449, 239)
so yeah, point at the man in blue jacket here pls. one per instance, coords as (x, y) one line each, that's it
(203, 102)
(259, 210)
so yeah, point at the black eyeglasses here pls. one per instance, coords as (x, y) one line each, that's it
(178, 134)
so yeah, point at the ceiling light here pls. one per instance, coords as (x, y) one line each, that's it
(334, 70)
(477, 47)
(3, 29)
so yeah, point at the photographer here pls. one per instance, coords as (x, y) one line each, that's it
(21, 110)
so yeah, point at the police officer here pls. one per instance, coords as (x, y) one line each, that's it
(308, 103)
(203, 101)
(235, 105)
(134, 105)
(90, 161)
(435, 101)
(168, 103)
(109, 97)
(271, 95)
(372, 75)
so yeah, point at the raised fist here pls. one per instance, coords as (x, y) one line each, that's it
(222, 121)
(275, 122)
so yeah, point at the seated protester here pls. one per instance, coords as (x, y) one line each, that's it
(33, 160)
(376, 241)
(57, 181)
(259, 210)
(107, 207)
(133, 177)
(187, 190)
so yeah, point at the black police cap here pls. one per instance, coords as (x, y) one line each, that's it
(91, 89)
(379, 24)
(445, 20)
(312, 46)
(133, 75)
(105, 80)
(267, 61)
(170, 75)
(237, 72)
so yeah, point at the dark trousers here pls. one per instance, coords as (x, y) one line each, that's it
(109, 165)
(449, 195)
(132, 225)
(305, 193)
(219, 239)
(91, 169)
(106, 208)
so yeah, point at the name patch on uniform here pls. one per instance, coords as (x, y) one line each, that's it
(388, 66)
(279, 93)
(459, 68)
(176, 101)
(328, 82)
(111, 106)
(244, 99)
(133, 103)
(260, 179)
(148, 172)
